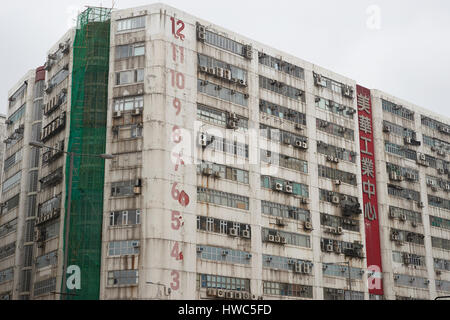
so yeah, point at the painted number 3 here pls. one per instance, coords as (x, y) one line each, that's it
(177, 29)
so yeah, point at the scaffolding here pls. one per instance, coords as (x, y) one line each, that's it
(88, 121)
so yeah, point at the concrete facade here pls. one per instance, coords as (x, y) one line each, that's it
(188, 216)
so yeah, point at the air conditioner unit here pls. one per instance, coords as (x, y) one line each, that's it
(210, 292)
(231, 124)
(408, 140)
(238, 295)
(225, 252)
(207, 171)
(203, 140)
(336, 200)
(308, 226)
(201, 33)
(227, 74)
(271, 238)
(329, 248)
(392, 214)
(248, 51)
(403, 217)
(306, 268)
(234, 232)
(220, 293)
(441, 171)
(289, 188)
(212, 71)
(243, 83)
(117, 114)
(423, 157)
(281, 222)
(246, 234)
(135, 244)
(421, 205)
(203, 69)
(283, 240)
(199, 250)
(394, 237)
(137, 190)
(279, 187)
(137, 112)
(340, 230)
(338, 182)
(229, 295)
(298, 267)
(277, 239)
(219, 72)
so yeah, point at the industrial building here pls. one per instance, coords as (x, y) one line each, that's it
(156, 155)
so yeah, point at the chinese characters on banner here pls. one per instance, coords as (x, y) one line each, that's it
(370, 201)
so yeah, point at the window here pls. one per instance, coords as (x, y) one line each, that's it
(397, 110)
(401, 192)
(209, 62)
(336, 222)
(282, 263)
(123, 248)
(400, 151)
(441, 264)
(281, 65)
(11, 161)
(52, 179)
(435, 125)
(129, 77)
(223, 255)
(8, 227)
(440, 243)
(409, 174)
(349, 249)
(7, 250)
(123, 278)
(49, 259)
(6, 275)
(220, 226)
(299, 189)
(284, 161)
(222, 198)
(284, 211)
(327, 196)
(282, 112)
(130, 50)
(443, 286)
(10, 204)
(335, 174)
(408, 259)
(342, 294)
(227, 146)
(220, 282)
(278, 135)
(217, 91)
(218, 117)
(19, 94)
(329, 105)
(124, 188)
(281, 88)
(410, 281)
(12, 182)
(412, 216)
(225, 172)
(44, 287)
(49, 206)
(16, 116)
(340, 153)
(440, 222)
(399, 130)
(335, 129)
(131, 24)
(410, 237)
(293, 239)
(287, 289)
(341, 271)
(58, 77)
(224, 43)
(129, 103)
(125, 218)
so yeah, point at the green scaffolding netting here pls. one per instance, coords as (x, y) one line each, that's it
(88, 120)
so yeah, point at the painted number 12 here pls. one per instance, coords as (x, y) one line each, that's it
(177, 28)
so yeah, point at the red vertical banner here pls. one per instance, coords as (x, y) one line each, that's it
(369, 186)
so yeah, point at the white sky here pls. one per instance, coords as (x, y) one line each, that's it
(405, 53)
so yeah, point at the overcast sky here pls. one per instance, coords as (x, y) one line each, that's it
(401, 47)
